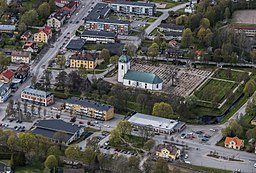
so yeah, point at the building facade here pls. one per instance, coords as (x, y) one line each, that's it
(43, 35)
(7, 76)
(90, 108)
(99, 37)
(56, 20)
(30, 47)
(137, 79)
(234, 143)
(5, 92)
(37, 96)
(138, 8)
(21, 57)
(167, 151)
(83, 60)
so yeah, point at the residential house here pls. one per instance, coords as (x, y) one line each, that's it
(90, 108)
(25, 36)
(83, 60)
(96, 21)
(168, 151)
(234, 143)
(7, 28)
(170, 27)
(20, 57)
(50, 127)
(30, 47)
(5, 92)
(158, 124)
(99, 37)
(56, 20)
(4, 168)
(62, 3)
(20, 76)
(6, 76)
(43, 35)
(70, 8)
(131, 7)
(37, 96)
(189, 9)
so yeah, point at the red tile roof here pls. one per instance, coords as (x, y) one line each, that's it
(7, 74)
(238, 142)
(46, 30)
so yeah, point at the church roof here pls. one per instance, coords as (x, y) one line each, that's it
(124, 58)
(143, 77)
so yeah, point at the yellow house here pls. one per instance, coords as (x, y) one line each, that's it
(168, 151)
(90, 108)
(43, 35)
(83, 60)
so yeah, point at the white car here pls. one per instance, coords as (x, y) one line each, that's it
(186, 156)
(254, 165)
(213, 130)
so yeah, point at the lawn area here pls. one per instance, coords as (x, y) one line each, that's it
(212, 170)
(143, 27)
(89, 129)
(93, 46)
(150, 19)
(229, 74)
(215, 91)
(35, 167)
(169, 4)
(134, 33)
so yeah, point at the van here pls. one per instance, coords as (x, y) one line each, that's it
(188, 162)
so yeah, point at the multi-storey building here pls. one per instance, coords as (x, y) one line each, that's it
(5, 92)
(20, 57)
(43, 35)
(37, 96)
(90, 108)
(6, 76)
(62, 3)
(249, 31)
(83, 60)
(138, 8)
(56, 20)
(99, 37)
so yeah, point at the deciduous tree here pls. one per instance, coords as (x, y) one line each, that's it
(51, 163)
(162, 110)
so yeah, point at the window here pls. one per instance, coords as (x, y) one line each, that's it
(137, 84)
(129, 82)
(122, 67)
(156, 85)
(145, 85)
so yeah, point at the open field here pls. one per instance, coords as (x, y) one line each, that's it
(229, 74)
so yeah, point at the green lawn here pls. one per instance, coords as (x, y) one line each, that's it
(169, 4)
(215, 91)
(143, 27)
(211, 170)
(35, 167)
(134, 33)
(230, 75)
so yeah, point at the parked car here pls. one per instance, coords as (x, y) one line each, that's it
(199, 132)
(205, 139)
(183, 136)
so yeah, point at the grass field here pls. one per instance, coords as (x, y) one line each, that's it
(215, 90)
(169, 4)
(230, 75)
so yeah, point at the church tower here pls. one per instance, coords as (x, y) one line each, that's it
(123, 65)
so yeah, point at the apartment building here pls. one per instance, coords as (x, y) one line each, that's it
(20, 57)
(99, 37)
(56, 20)
(83, 60)
(43, 35)
(138, 8)
(37, 96)
(90, 108)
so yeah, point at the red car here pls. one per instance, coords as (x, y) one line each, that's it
(80, 122)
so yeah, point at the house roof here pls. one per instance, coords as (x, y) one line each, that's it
(171, 148)
(20, 53)
(22, 69)
(144, 4)
(76, 44)
(26, 34)
(8, 74)
(98, 34)
(124, 58)
(58, 15)
(89, 104)
(173, 34)
(32, 91)
(238, 142)
(46, 29)
(171, 26)
(145, 77)
(84, 56)
(99, 10)
(7, 27)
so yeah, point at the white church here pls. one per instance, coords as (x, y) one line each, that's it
(137, 79)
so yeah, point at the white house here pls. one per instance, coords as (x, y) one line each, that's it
(137, 79)
(56, 20)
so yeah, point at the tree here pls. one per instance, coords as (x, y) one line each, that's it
(114, 59)
(142, 100)
(253, 55)
(73, 152)
(201, 33)
(51, 163)
(52, 5)
(153, 50)
(27, 142)
(146, 132)
(251, 133)
(61, 80)
(33, 80)
(227, 13)
(217, 56)
(115, 137)
(162, 110)
(54, 150)
(124, 127)
(149, 144)
(205, 23)
(22, 27)
(39, 108)
(12, 142)
(61, 60)
(44, 10)
(233, 129)
(89, 156)
(133, 163)
(105, 55)
(187, 38)
(182, 20)
(29, 18)
(131, 49)
(161, 166)
(250, 87)
(10, 110)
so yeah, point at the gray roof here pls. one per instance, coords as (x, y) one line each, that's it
(145, 77)
(98, 34)
(144, 4)
(89, 104)
(32, 91)
(174, 34)
(112, 21)
(99, 10)
(3, 88)
(171, 26)
(49, 133)
(58, 125)
(76, 44)
(7, 27)
(158, 122)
